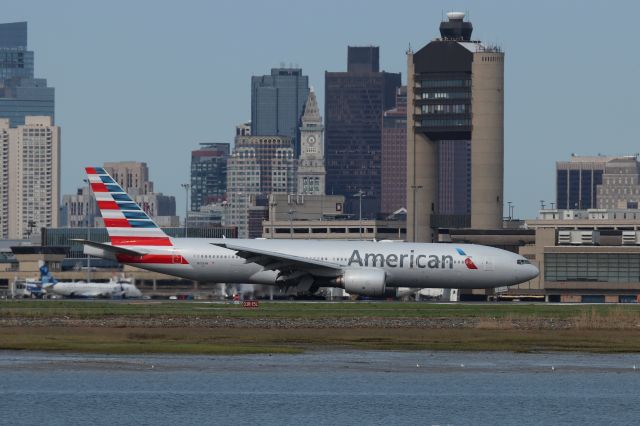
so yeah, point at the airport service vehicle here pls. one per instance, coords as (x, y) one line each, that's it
(29, 288)
(113, 289)
(365, 268)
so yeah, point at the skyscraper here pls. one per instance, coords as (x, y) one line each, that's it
(81, 209)
(277, 101)
(455, 133)
(598, 182)
(243, 129)
(258, 166)
(311, 172)
(620, 188)
(354, 103)
(132, 176)
(577, 181)
(20, 93)
(34, 176)
(394, 154)
(208, 174)
(4, 178)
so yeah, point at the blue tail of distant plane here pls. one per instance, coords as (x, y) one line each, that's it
(46, 279)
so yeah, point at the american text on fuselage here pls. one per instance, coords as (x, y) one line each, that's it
(392, 260)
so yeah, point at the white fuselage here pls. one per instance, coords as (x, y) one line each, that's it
(89, 289)
(416, 265)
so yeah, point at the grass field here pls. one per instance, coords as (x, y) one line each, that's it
(490, 327)
(98, 309)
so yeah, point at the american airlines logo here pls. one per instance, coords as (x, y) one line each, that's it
(410, 260)
(468, 262)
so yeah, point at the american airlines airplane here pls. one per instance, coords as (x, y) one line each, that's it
(365, 268)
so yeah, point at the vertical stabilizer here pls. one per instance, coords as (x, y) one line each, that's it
(127, 224)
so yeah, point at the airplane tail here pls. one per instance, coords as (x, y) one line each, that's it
(127, 224)
(46, 279)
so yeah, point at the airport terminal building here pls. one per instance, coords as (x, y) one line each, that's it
(587, 255)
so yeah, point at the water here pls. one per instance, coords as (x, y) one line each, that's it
(341, 387)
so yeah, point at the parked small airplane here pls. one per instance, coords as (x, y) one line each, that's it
(113, 289)
(360, 267)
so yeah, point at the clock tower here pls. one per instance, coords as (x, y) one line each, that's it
(311, 172)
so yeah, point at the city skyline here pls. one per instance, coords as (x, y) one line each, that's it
(556, 99)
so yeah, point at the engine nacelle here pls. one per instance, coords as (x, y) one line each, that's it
(366, 282)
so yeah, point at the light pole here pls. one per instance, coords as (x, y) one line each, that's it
(88, 239)
(360, 194)
(88, 256)
(186, 187)
(415, 231)
(509, 203)
(272, 214)
(291, 212)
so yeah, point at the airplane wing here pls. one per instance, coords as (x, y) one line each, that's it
(286, 263)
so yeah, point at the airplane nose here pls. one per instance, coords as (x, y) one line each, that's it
(529, 273)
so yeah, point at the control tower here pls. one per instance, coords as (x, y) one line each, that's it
(455, 133)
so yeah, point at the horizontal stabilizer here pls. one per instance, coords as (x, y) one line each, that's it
(108, 247)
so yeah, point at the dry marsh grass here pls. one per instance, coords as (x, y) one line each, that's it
(615, 318)
(250, 340)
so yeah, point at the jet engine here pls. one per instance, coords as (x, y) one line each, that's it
(365, 282)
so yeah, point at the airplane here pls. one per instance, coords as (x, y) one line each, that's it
(112, 289)
(365, 268)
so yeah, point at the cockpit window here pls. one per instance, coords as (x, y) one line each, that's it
(523, 262)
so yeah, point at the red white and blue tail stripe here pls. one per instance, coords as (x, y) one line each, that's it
(127, 224)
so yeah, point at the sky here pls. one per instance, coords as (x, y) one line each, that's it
(150, 80)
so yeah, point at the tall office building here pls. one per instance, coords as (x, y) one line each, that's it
(354, 103)
(243, 129)
(80, 209)
(598, 182)
(4, 178)
(257, 167)
(34, 176)
(132, 176)
(394, 155)
(311, 172)
(277, 101)
(274, 159)
(208, 174)
(20, 93)
(455, 133)
(577, 181)
(620, 188)
(363, 59)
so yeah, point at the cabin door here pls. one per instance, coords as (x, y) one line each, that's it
(487, 264)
